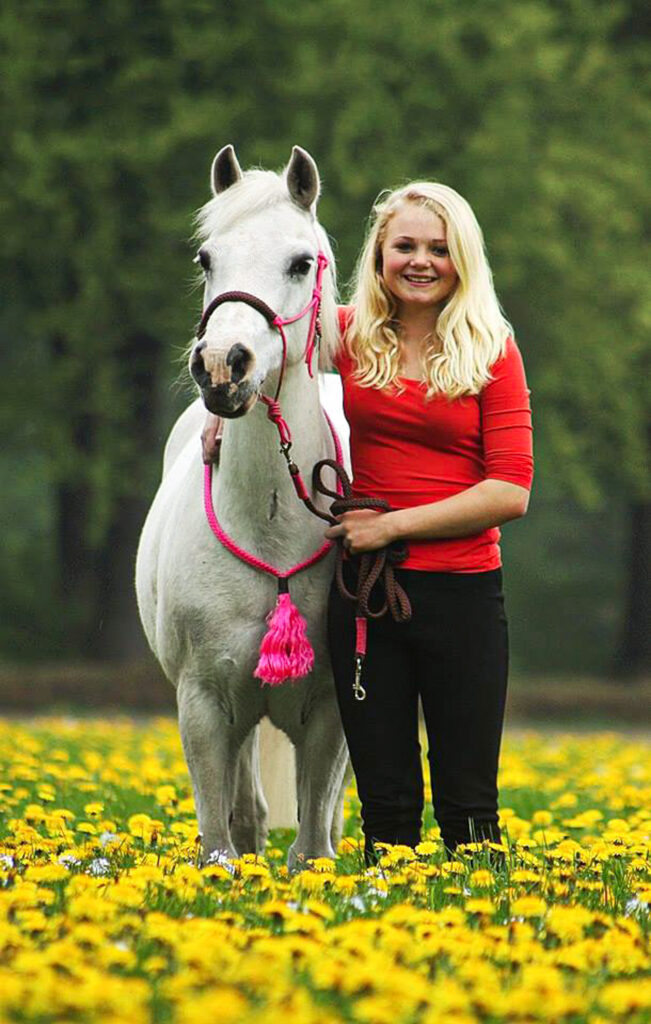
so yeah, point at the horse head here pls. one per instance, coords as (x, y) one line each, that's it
(260, 246)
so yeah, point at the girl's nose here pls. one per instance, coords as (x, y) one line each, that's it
(420, 257)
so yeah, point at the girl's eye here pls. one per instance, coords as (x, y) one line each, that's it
(403, 246)
(203, 259)
(300, 266)
(440, 250)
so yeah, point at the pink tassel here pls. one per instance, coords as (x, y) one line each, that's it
(285, 651)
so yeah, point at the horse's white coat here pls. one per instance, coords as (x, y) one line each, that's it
(203, 610)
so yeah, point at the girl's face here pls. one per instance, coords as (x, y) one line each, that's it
(416, 264)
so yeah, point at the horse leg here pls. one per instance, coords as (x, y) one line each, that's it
(211, 743)
(321, 756)
(337, 829)
(250, 812)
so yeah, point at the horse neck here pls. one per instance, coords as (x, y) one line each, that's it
(253, 476)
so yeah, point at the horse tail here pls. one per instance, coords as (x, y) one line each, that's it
(278, 775)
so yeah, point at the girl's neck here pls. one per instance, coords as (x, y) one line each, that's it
(416, 326)
(417, 335)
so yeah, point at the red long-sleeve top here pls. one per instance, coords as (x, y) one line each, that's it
(411, 450)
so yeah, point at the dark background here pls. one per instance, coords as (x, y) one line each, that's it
(111, 114)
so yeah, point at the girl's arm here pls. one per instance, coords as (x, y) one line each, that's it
(503, 495)
(486, 504)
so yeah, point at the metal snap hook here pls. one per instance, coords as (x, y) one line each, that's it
(358, 689)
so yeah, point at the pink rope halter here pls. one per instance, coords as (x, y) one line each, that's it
(285, 651)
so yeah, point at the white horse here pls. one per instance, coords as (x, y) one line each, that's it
(204, 610)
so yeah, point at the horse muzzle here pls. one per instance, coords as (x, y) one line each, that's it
(225, 378)
(229, 400)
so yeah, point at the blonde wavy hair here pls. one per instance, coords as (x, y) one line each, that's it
(470, 331)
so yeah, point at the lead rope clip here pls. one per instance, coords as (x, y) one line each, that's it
(285, 451)
(358, 689)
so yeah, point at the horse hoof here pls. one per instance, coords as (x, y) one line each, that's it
(223, 858)
(301, 862)
(295, 861)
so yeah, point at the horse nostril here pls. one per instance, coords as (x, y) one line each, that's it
(197, 365)
(240, 360)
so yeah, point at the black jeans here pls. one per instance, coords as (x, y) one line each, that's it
(453, 654)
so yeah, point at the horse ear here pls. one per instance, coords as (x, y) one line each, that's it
(303, 178)
(225, 170)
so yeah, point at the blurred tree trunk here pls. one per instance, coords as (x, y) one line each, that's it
(78, 584)
(119, 633)
(97, 576)
(77, 561)
(634, 654)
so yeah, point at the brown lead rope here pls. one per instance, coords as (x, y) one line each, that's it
(375, 567)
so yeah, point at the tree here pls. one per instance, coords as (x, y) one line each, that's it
(532, 110)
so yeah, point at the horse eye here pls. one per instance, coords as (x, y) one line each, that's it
(203, 259)
(300, 266)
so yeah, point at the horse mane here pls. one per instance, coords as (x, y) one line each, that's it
(256, 191)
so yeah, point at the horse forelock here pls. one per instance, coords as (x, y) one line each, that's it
(260, 190)
(257, 191)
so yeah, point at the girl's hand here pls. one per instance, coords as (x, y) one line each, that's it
(363, 530)
(211, 438)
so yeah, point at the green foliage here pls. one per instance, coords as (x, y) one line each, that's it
(111, 116)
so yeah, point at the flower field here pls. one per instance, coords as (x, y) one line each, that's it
(106, 914)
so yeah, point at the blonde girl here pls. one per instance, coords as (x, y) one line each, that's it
(437, 402)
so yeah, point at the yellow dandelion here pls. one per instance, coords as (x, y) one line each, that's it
(528, 906)
(542, 818)
(481, 879)
(625, 997)
(480, 906)
(86, 828)
(427, 848)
